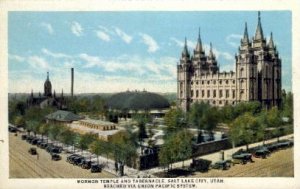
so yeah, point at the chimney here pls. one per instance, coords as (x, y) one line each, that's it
(72, 81)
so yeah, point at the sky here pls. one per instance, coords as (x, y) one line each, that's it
(119, 51)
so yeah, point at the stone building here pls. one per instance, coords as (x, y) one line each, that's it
(257, 74)
(48, 98)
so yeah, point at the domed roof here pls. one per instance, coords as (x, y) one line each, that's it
(137, 101)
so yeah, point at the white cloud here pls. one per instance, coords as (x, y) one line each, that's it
(103, 36)
(38, 62)
(150, 42)
(76, 29)
(234, 39)
(48, 27)
(55, 55)
(91, 61)
(109, 74)
(16, 58)
(124, 36)
(104, 29)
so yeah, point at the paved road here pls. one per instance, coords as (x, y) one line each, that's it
(24, 165)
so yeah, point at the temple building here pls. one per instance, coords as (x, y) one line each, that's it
(257, 74)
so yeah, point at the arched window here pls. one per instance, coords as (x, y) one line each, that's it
(197, 93)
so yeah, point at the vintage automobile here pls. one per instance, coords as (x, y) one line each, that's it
(23, 137)
(43, 145)
(241, 157)
(223, 165)
(29, 138)
(55, 157)
(86, 164)
(34, 141)
(12, 129)
(71, 158)
(54, 149)
(78, 160)
(32, 151)
(96, 168)
(201, 165)
(261, 154)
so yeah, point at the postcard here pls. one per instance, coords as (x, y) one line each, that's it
(149, 94)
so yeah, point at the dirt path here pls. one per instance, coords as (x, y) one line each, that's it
(24, 165)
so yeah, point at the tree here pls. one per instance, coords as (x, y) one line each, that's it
(124, 148)
(210, 120)
(274, 120)
(32, 126)
(244, 129)
(19, 121)
(175, 119)
(85, 140)
(287, 109)
(177, 147)
(97, 147)
(54, 131)
(68, 137)
(141, 120)
(44, 130)
(203, 117)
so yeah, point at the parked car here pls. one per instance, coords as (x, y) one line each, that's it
(39, 141)
(201, 165)
(241, 157)
(78, 160)
(55, 157)
(34, 141)
(86, 164)
(285, 144)
(32, 151)
(53, 149)
(12, 129)
(261, 153)
(72, 157)
(223, 165)
(96, 168)
(23, 137)
(29, 138)
(43, 145)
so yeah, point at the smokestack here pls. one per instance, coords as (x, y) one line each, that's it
(72, 81)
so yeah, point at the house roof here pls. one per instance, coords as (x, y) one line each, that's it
(61, 115)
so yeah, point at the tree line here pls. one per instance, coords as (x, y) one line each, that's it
(247, 122)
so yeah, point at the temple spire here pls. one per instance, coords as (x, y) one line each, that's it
(246, 37)
(199, 44)
(185, 52)
(271, 42)
(48, 76)
(259, 32)
(211, 54)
